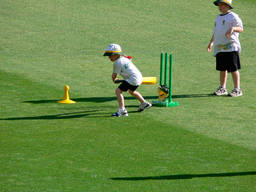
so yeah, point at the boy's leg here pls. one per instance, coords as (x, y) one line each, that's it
(236, 75)
(120, 98)
(221, 90)
(236, 92)
(236, 79)
(137, 95)
(223, 78)
(144, 104)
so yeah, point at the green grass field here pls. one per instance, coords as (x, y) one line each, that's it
(206, 144)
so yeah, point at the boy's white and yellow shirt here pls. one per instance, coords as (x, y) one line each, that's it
(223, 23)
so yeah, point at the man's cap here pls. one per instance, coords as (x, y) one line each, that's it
(113, 49)
(228, 2)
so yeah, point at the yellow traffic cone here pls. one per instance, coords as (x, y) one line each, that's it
(66, 99)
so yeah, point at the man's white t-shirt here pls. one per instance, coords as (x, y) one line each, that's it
(222, 24)
(128, 71)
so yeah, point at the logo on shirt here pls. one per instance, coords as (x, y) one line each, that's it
(126, 66)
(223, 22)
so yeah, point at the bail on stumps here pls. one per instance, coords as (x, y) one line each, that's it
(66, 99)
(165, 86)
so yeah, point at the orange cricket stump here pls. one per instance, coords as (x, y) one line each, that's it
(66, 99)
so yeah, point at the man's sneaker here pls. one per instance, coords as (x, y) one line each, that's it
(120, 113)
(236, 93)
(221, 91)
(145, 105)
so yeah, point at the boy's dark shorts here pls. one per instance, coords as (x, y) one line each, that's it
(125, 86)
(229, 61)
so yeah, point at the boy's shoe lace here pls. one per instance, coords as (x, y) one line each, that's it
(120, 113)
(236, 93)
(144, 105)
(221, 91)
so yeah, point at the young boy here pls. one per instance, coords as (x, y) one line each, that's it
(227, 47)
(132, 79)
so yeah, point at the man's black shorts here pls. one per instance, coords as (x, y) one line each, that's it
(125, 86)
(228, 61)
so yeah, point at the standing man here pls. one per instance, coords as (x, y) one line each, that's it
(227, 47)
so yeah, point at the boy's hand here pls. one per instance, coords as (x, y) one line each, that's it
(232, 30)
(209, 48)
(118, 81)
(114, 77)
(229, 32)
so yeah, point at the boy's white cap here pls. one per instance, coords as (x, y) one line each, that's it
(113, 49)
(228, 2)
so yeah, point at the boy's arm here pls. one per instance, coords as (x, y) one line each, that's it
(116, 70)
(209, 48)
(232, 30)
(114, 77)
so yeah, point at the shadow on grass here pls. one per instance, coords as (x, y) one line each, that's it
(185, 176)
(91, 113)
(90, 99)
(81, 114)
(107, 99)
(192, 96)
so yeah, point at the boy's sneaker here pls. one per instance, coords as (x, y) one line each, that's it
(221, 91)
(120, 112)
(145, 105)
(236, 93)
